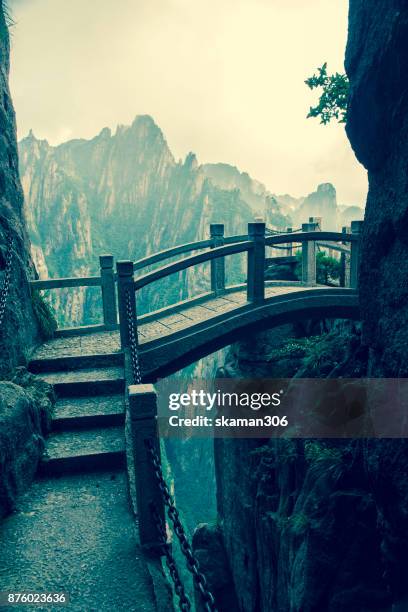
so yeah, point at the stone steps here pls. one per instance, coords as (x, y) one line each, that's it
(75, 362)
(84, 450)
(85, 412)
(88, 381)
(88, 422)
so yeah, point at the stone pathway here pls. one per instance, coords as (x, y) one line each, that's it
(73, 530)
(76, 534)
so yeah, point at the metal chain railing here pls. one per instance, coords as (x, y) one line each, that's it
(192, 563)
(4, 292)
(184, 602)
(272, 232)
(134, 353)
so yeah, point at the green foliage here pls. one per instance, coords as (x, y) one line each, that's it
(318, 451)
(45, 317)
(327, 268)
(324, 353)
(334, 97)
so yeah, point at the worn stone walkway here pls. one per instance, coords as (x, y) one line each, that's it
(182, 317)
(76, 534)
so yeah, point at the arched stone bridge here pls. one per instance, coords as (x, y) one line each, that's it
(90, 367)
(178, 335)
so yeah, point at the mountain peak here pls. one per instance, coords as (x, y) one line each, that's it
(145, 120)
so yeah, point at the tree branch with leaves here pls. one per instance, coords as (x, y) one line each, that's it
(334, 96)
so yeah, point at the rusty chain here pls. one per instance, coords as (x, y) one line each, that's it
(7, 278)
(192, 563)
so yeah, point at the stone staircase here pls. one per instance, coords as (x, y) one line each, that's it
(88, 424)
(74, 529)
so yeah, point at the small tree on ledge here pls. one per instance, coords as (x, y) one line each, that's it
(334, 97)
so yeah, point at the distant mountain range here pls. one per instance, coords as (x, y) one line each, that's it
(126, 194)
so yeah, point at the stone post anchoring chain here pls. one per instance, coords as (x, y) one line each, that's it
(143, 426)
(125, 285)
(110, 317)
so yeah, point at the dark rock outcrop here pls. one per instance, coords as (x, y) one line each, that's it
(210, 553)
(377, 66)
(25, 405)
(25, 412)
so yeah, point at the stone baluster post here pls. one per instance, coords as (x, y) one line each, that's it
(143, 427)
(217, 265)
(345, 262)
(309, 256)
(110, 317)
(356, 228)
(125, 284)
(256, 263)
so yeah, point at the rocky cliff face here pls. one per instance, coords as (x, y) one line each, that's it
(262, 203)
(20, 330)
(320, 203)
(377, 66)
(25, 406)
(123, 193)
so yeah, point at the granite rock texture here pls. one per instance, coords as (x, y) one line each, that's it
(25, 412)
(377, 66)
(20, 330)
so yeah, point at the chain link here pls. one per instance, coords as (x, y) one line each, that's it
(192, 563)
(7, 278)
(184, 602)
(134, 353)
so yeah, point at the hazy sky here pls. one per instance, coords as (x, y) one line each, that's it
(222, 78)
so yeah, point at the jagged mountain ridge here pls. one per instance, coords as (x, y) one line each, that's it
(122, 193)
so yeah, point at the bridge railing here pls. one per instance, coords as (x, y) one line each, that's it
(106, 281)
(254, 244)
(214, 250)
(128, 285)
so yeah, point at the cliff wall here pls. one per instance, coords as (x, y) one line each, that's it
(377, 66)
(25, 405)
(20, 329)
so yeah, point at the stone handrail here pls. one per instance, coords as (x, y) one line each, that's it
(106, 281)
(306, 236)
(193, 260)
(171, 252)
(254, 244)
(217, 247)
(61, 283)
